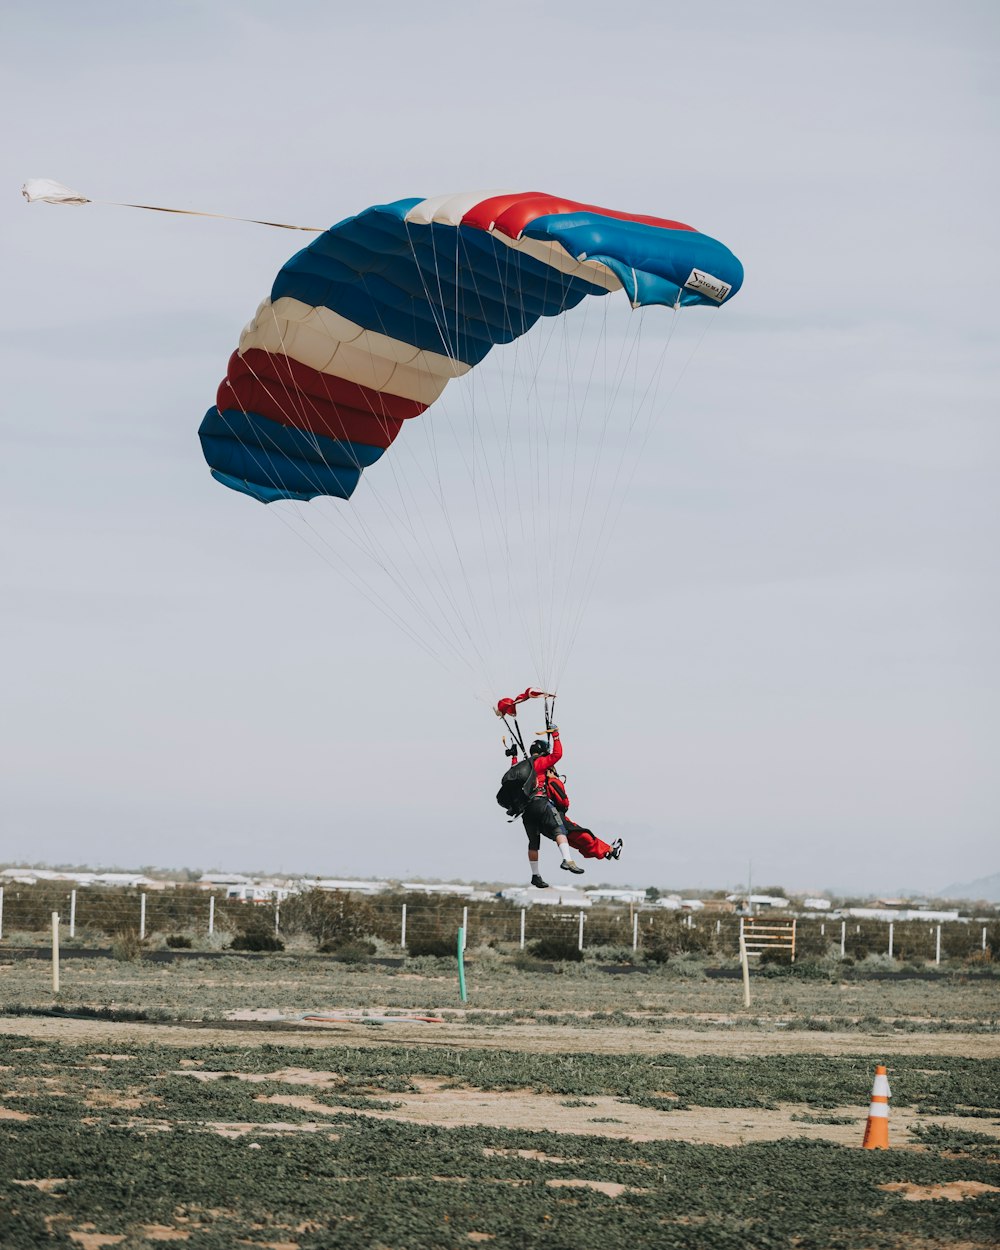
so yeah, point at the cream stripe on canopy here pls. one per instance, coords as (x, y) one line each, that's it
(329, 343)
(448, 210)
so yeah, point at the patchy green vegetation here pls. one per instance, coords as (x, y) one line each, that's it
(200, 1144)
(937, 1084)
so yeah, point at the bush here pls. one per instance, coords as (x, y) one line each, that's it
(557, 948)
(178, 942)
(349, 952)
(256, 940)
(127, 945)
(330, 916)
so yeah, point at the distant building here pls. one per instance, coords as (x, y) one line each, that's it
(903, 913)
(617, 896)
(669, 902)
(718, 906)
(443, 887)
(816, 904)
(359, 887)
(528, 896)
(771, 902)
(31, 876)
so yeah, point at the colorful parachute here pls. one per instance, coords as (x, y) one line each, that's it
(365, 327)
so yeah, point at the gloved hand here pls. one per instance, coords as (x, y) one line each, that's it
(553, 729)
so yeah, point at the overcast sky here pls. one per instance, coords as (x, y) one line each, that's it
(790, 655)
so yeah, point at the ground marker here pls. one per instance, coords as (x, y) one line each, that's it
(877, 1128)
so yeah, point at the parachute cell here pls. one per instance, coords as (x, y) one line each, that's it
(364, 328)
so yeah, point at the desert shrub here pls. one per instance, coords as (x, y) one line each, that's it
(127, 945)
(349, 952)
(329, 916)
(557, 947)
(178, 942)
(657, 951)
(259, 939)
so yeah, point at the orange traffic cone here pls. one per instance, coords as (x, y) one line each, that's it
(877, 1128)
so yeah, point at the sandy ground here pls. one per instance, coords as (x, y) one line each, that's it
(439, 1104)
(534, 1039)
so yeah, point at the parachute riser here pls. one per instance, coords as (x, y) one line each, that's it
(515, 732)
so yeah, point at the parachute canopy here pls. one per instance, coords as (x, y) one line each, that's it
(364, 328)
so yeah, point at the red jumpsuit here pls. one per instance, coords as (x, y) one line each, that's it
(580, 839)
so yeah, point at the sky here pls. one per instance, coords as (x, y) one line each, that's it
(788, 659)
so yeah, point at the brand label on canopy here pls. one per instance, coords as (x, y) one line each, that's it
(708, 285)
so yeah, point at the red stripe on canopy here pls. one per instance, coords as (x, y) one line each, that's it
(291, 393)
(511, 213)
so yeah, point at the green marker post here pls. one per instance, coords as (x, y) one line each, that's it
(461, 963)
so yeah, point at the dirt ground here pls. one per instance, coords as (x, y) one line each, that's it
(533, 1039)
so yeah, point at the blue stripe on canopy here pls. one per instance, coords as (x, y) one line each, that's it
(252, 454)
(652, 262)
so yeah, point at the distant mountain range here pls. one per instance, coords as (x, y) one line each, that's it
(985, 888)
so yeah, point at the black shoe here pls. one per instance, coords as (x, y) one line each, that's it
(538, 883)
(616, 850)
(568, 866)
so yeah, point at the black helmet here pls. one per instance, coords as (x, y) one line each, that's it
(538, 747)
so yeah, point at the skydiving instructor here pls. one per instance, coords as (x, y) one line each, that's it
(541, 818)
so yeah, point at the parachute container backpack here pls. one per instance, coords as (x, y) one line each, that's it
(346, 363)
(517, 786)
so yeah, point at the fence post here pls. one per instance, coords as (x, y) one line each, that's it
(522, 928)
(635, 931)
(1, 917)
(277, 915)
(843, 939)
(72, 913)
(822, 930)
(211, 915)
(718, 927)
(402, 930)
(55, 952)
(745, 964)
(937, 946)
(579, 941)
(890, 939)
(465, 926)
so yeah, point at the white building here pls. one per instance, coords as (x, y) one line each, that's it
(553, 896)
(900, 913)
(770, 902)
(438, 887)
(617, 896)
(359, 887)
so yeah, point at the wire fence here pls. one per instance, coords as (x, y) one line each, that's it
(128, 921)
